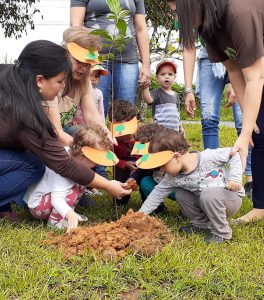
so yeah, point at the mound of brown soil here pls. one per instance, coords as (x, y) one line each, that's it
(134, 231)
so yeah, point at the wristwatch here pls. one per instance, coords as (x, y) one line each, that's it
(188, 91)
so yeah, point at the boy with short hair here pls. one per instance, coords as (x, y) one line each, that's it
(208, 183)
(165, 102)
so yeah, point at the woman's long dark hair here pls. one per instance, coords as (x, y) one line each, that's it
(209, 12)
(20, 99)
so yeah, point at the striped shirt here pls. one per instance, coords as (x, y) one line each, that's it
(165, 108)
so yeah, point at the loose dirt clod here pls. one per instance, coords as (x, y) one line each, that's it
(132, 184)
(134, 231)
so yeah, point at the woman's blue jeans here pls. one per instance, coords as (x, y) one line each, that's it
(124, 77)
(147, 184)
(210, 90)
(18, 170)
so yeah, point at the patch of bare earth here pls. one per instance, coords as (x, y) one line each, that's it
(134, 232)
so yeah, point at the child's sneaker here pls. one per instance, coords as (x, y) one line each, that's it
(249, 189)
(190, 229)
(84, 218)
(209, 238)
(62, 224)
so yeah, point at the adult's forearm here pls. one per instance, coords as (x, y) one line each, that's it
(189, 56)
(143, 46)
(100, 182)
(77, 15)
(251, 105)
(248, 86)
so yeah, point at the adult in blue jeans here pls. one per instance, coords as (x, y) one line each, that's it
(28, 140)
(211, 80)
(123, 72)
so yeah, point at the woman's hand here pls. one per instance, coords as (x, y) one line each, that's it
(144, 77)
(111, 138)
(116, 189)
(241, 146)
(230, 96)
(190, 104)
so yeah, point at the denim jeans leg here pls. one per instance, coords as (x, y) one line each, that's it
(105, 85)
(125, 81)
(238, 117)
(18, 170)
(210, 92)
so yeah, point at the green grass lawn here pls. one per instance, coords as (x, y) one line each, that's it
(186, 269)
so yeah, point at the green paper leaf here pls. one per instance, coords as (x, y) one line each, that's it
(91, 56)
(109, 156)
(120, 128)
(144, 158)
(140, 147)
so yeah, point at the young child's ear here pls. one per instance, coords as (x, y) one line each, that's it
(177, 156)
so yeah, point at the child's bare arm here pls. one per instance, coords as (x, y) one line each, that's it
(147, 96)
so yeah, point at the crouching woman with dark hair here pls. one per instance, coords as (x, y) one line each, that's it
(27, 138)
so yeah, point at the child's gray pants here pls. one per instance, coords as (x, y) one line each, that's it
(210, 209)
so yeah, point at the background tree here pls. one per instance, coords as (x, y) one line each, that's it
(163, 34)
(16, 16)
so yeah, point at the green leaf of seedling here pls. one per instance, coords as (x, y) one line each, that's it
(100, 58)
(122, 26)
(102, 33)
(111, 17)
(124, 13)
(113, 5)
(105, 45)
(106, 57)
(120, 128)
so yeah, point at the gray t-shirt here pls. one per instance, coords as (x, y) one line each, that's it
(165, 108)
(214, 169)
(96, 15)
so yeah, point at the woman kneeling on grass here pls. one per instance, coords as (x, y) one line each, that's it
(207, 192)
(27, 138)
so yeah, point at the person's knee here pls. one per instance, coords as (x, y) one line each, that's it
(208, 197)
(147, 185)
(208, 121)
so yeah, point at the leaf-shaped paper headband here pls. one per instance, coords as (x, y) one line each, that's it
(100, 157)
(140, 149)
(120, 129)
(82, 54)
(154, 160)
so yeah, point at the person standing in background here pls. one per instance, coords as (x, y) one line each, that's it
(123, 71)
